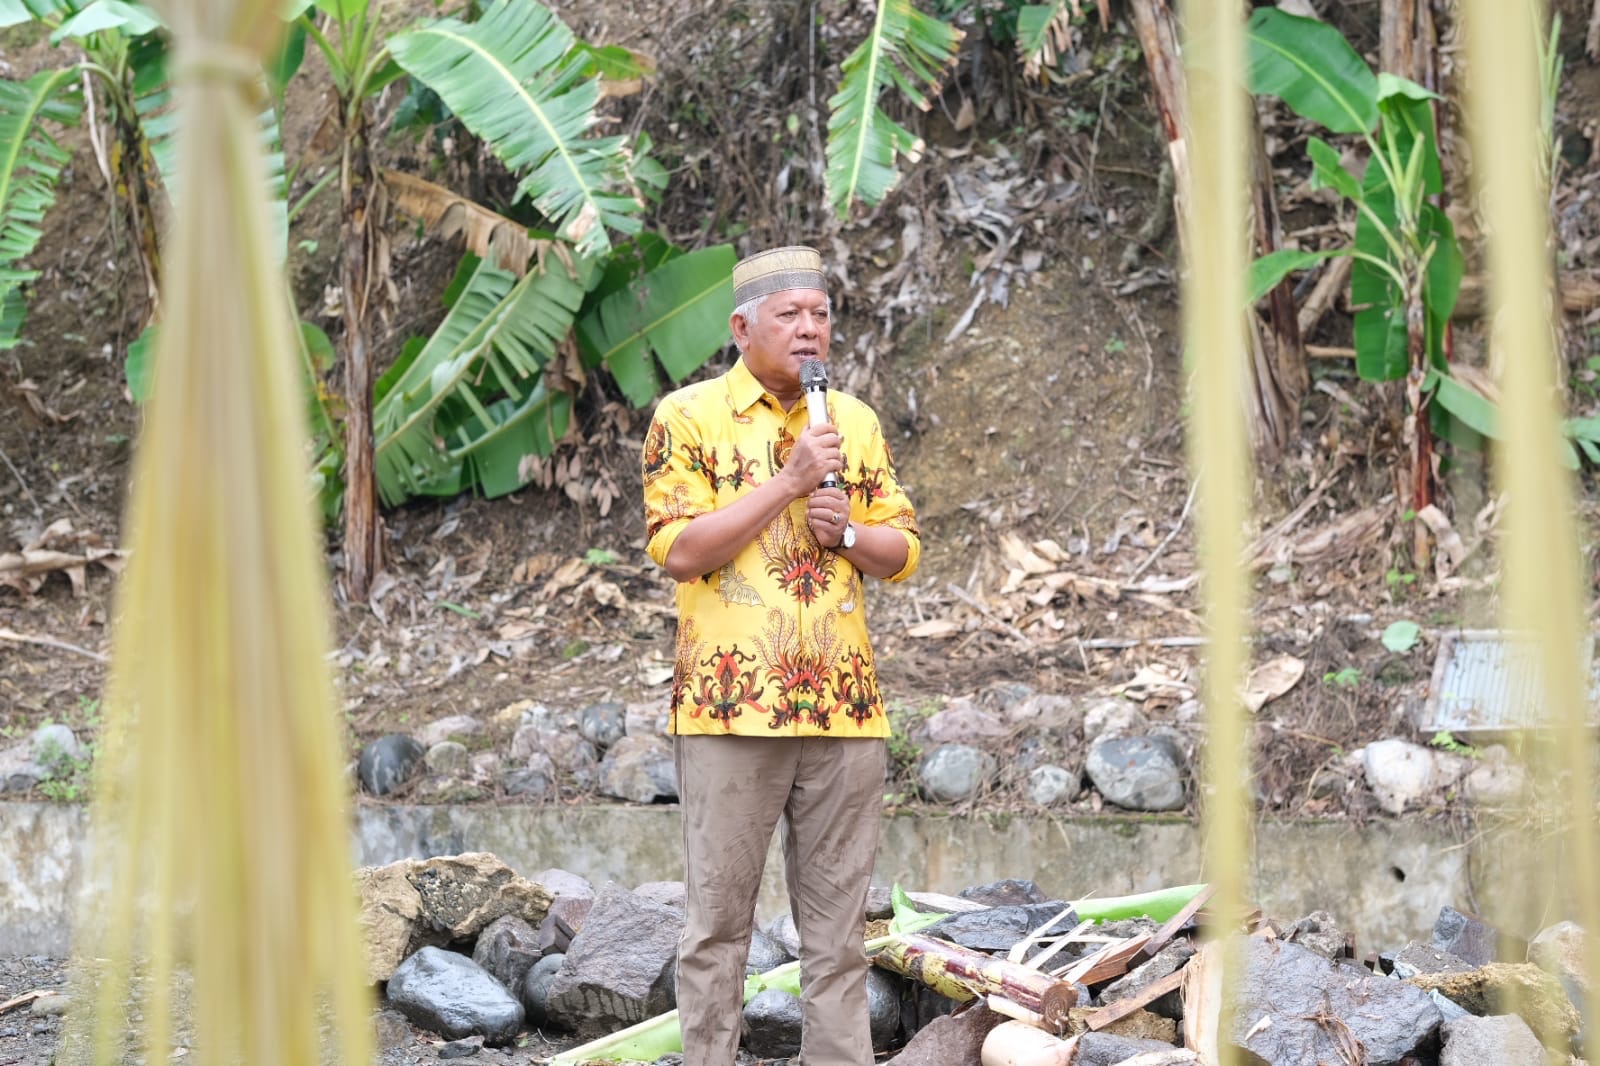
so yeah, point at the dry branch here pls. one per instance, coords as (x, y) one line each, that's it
(1124, 1007)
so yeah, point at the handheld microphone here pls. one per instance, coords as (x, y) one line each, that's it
(814, 380)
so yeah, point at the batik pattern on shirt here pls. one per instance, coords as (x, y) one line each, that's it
(775, 642)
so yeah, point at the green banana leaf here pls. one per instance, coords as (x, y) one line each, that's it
(132, 20)
(1033, 25)
(908, 50)
(444, 412)
(154, 104)
(31, 163)
(1406, 110)
(1380, 327)
(676, 314)
(1309, 65)
(516, 79)
(1267, 271)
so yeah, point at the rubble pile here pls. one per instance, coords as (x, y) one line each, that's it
(469, 951)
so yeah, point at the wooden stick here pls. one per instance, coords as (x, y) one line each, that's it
(27, 998)
(1327, 289)
(1038, 961)
(1164, 935)
(1317, 351)
(1123, 1007)
(1113, 960)
(51, 642)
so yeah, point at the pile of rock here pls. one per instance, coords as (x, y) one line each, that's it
(466, 948)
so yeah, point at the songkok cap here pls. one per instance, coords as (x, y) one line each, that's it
(794, 267)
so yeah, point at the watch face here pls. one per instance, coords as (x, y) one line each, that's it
(849, 540)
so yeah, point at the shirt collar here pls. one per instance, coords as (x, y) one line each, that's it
(743, 388)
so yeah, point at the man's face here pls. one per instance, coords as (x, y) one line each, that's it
(791, 326)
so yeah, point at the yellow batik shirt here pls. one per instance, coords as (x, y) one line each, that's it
(775, 642)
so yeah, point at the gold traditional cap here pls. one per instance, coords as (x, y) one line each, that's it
(794, 267)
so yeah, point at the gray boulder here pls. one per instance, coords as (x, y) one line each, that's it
(603, 724)
(765, 953)
(998, 929)
(1050, 784)
(1502, 1039)
(1108, 1049)
(1291, 1003)
(620, 967)
(451, 728)
(639, 769)
(451, 995)
(507, 949)
(536, 780)
(1140, 773)
(534, 992)
(388, 762)
(1162, 964)
(883, 1007)
(414, 903)
(1472, 939)
(954, 772)
(949, 1039)
(770, 1027)
(1007, 892)
(447, 757)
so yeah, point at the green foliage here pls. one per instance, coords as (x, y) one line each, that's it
(600, 557)
(677, 314)
(516, 79)
(31, 163)
(1344, 677)
(1445, 740)
(435, 433)
(68, 776)
(905, 49)
(1397, 579)
(1400, 637)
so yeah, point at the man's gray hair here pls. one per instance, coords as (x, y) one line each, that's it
(748, 309)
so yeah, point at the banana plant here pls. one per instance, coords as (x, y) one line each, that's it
(1408, 266)
(109, 32)
(518, 80)
(908, 50)
(31, 162)
(469, 407)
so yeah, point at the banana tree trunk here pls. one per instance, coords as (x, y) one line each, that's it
(359, 235)
(1419, 431)
(1408, 46)
(962, 974)
(1277, 357)
(136, 170)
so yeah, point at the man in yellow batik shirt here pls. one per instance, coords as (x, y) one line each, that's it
(775, 703)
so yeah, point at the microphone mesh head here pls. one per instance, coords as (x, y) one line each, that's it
(813, 374)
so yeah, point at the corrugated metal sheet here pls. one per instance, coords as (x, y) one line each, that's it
(1484, 682)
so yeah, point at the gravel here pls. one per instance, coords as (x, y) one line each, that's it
(31, 1031)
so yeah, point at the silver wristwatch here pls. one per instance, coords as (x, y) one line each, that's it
(848, 541)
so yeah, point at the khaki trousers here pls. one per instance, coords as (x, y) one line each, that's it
(733, 791)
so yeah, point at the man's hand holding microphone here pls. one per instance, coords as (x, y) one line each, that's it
(819, 454)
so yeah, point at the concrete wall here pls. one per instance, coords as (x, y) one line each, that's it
(1385, 880)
